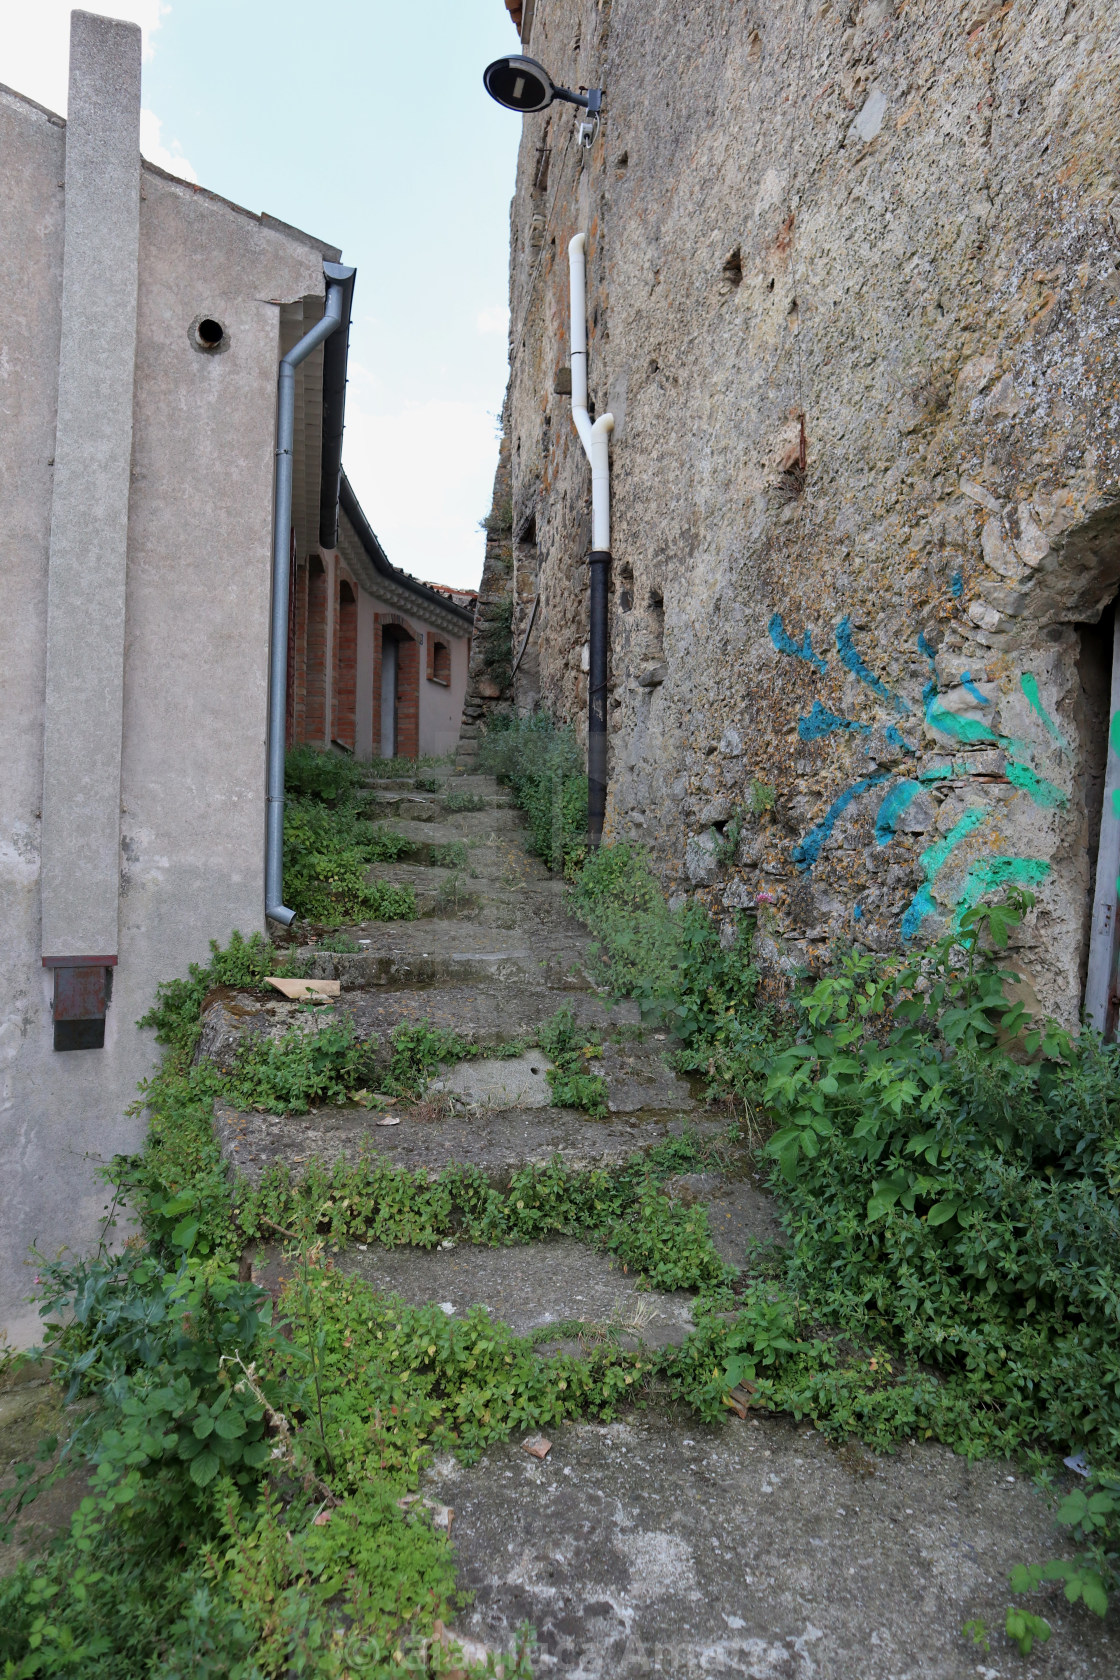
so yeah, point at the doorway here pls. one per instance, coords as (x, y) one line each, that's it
(390, 666)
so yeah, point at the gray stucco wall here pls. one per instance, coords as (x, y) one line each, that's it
(195, 679)
(89, 505)
(904, 223)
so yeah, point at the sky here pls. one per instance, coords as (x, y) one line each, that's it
(365, 123)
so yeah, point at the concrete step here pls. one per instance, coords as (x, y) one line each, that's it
(529, 1289)
(657, 1545)
(409, 964)
(499, 1143)
(486, 1014)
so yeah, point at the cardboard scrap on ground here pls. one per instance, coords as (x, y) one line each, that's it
(304, 988)
(740, 1398)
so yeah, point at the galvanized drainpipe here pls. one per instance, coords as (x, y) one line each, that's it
(336, 277)
(595, 439)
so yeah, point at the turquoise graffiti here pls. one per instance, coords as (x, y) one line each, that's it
(1029, 684)
(899, 797)
(808, 850)
(964, 729)
(995, 873)
(972, 731)
(786, 644)
(933, 861)
(850, 657)
(820, 722)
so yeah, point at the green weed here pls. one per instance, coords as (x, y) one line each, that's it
(459, 800)
(573, 1083)
(328, 852)
(543, 766)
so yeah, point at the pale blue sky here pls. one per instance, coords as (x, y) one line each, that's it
(364, 122)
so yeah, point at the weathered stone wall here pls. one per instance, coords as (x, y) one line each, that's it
(854, 280)
(492, 655)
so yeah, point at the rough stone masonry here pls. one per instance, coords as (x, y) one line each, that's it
(854, 288)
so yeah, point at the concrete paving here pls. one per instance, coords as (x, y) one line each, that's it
(657, 1546)
(652, 1545)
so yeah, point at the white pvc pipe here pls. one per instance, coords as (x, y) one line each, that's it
(594, 437)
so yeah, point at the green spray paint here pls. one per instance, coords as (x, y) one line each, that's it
(1030, 689)
(998, 872)
(1043, 793)
(969, 731)
(933, 860)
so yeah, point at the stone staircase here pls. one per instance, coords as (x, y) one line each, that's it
(652, 1545)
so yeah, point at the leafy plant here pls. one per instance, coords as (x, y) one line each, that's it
(327, 857)
(385, 845)
(1024, 1629)
(573, 1084)
(543, 765)
(313, 773)
(457, 799)
(319, 1059)
(451, 854)
(339, 943)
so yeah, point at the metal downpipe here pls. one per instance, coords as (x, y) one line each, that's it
(595, 438)
(600, 562)
(336, 276)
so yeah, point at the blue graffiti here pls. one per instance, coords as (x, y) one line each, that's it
(891, 810)
(786, 644)
(821, 722)
(857, 913)
(808, 850)
(850, 657)
(956, 586)
(898, 740)
(967, 683)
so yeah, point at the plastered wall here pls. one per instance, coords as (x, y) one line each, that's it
(196, 657)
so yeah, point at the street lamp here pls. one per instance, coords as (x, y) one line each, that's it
(521, 84)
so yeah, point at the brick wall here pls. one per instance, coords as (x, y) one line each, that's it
(314, 724)
(408, 698)
(345, 667)
(297, 654)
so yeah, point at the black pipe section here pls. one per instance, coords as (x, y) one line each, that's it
(336, 353)
(600, 561)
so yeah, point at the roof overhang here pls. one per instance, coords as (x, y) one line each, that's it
(369, 564)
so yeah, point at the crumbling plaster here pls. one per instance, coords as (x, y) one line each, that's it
(903, 223)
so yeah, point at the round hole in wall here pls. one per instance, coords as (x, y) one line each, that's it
(208, 334)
